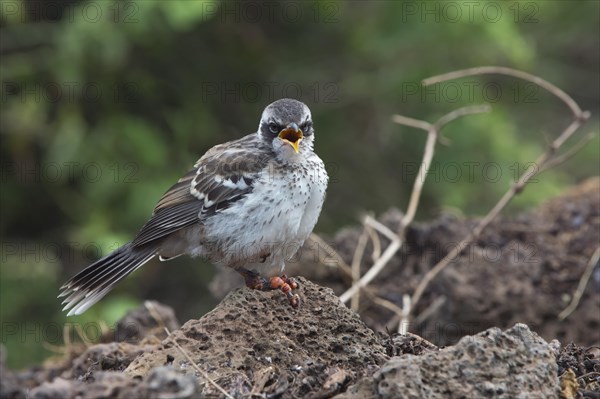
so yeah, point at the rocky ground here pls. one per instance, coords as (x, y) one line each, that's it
(253, 345)
(471, 343)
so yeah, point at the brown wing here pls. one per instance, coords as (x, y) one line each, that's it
(224, 175)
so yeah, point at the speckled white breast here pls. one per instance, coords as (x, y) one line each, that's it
(270, 224)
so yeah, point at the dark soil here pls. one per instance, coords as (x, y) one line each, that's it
(584, 364)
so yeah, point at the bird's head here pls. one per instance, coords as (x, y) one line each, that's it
(287, 126)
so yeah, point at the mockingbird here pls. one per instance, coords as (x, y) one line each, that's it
(248, 204)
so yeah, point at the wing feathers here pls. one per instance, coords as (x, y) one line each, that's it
(224, 175)
(168, 221)
(179, 193)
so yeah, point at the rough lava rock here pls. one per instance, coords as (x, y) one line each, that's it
(252, 343)
(255, 343)
(516, 363)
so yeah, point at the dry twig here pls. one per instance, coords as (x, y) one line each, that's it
(546, 160)
(380, 227)
(374, 270)
(396, 241)
(559, 159)
(431, 309)
(347, 270)
(384, 303)
(585, 277)
(368, 224)
(403, 325)
(339, 261)
(463, 73)
(376, 242)
(579, 118)
(359, 251)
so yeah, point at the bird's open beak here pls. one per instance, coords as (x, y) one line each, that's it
(292, 135)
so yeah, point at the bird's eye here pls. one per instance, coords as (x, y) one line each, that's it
(274, 128)
(306, 126)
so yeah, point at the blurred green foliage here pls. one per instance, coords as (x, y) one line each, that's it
(105, 104)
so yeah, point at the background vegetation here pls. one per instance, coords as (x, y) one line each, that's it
(105, 104)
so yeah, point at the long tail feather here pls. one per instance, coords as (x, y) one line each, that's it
(95, 281)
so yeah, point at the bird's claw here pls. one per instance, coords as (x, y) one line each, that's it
(286, 285)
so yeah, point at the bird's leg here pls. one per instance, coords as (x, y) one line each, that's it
(287, 285)
(283, 283)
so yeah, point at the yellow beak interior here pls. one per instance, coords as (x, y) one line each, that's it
(292, 137)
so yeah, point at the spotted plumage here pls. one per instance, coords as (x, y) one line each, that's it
(246, 204)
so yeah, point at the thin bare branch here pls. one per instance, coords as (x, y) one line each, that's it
(416, 123)
(431, 309)
(459, 113)
(389, 305)
(585, 277)
(340, 262)
(396, 241)
(432, 136)
(196, 367)
(485, 70)
(532, 171)
(359, 251)
(384, 303)
(582, 378)
(380, 227)
(515, 188)
(415, 194)
(373, 271)
(376, 242)
(403, 325)
(564, 157)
